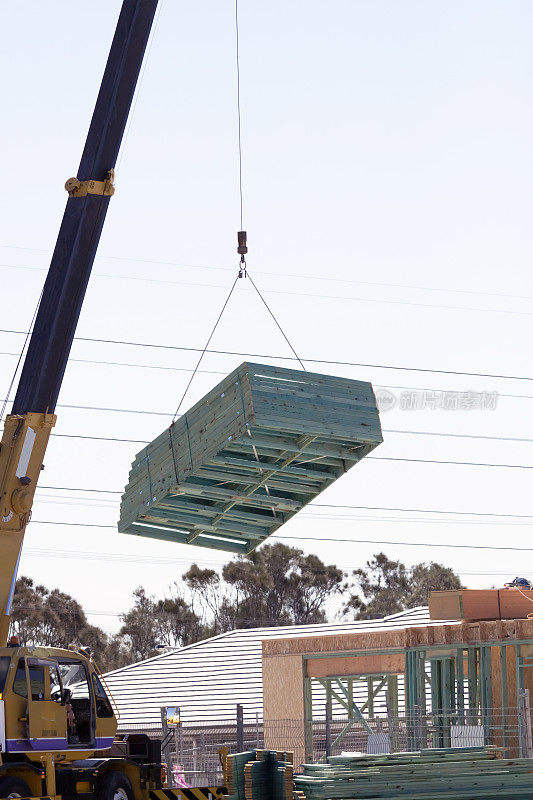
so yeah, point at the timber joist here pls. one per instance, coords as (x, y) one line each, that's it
(248, 456)
(425, 636)
(454, 773)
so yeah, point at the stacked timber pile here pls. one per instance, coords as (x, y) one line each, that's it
(233, 767)
(247, 457)
(461, 774)
(259, 775)
(480, 604)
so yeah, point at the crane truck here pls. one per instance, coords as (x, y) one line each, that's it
(57, 722)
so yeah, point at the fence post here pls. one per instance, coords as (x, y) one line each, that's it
(203, 767)
(240, 728)
(328, 727)
(525, 726)
(391, 700)
(166, 747)
(179, 747)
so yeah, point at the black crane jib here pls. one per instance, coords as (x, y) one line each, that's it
(84, 216)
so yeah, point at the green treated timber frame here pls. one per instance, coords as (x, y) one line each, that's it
(246, 458)
(446, 685)
(345, 699)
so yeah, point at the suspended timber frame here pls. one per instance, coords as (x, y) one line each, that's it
(248, 456)
(432, 678)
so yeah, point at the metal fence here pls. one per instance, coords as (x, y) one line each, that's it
(193, 747)
(392, 734)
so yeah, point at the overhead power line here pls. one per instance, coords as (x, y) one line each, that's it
(423, 510)
(168, 414)
(309, 512)
(228, 268)
(453, 463)
(99, 438)
(481, 437)
(367, 458)
(165, 368)
(328, 505)
(165, 562)
(340, 297)
(304, 515)
(393, 542)
(331, 362)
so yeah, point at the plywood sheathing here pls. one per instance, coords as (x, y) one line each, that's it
(496, 671)
(283, 702)
(284, 677)
(461, 633)
(355, 665)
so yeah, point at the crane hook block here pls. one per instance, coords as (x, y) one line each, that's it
(242, 249)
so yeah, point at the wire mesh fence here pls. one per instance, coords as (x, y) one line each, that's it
(193, 747)
(415, 731)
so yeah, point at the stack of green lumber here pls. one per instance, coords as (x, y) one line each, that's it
(269, 778)
(234, 770)
(282, 781)
(462, 774)
(248, 456)
(258, 780)
(259, 775)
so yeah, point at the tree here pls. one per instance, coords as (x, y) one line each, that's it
(138, 627)
(27, 612)
(275, 585)
(387, 587)
(278, 585)
(177, 624)
(207, 599)
(310, 589)
(117, 654)
(53, 619)
(432, 577)
(152, 624)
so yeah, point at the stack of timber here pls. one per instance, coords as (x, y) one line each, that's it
(248, 456)
(257, 780)
(259, 775)
(480, 604)
(233, 767)
(459, 774)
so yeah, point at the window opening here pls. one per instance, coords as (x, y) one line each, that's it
(77, 698)
(103, 706)
(5, 661)
(20, 685)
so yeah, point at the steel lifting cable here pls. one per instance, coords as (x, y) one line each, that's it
(242, 247)
(239, 110)
(202, 354)
(276, 321)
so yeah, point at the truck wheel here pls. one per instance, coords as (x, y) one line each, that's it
(12, 787)
(115, 786)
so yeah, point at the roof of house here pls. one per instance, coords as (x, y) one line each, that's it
(209, 678)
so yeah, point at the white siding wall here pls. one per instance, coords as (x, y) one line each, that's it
(209, 678)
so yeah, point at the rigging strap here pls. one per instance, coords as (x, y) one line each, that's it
(202, 354)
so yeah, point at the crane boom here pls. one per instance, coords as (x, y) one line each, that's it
(27, 428)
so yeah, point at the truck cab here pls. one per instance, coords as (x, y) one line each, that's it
(52, 700)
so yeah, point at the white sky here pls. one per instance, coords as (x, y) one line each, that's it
(388, 173)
